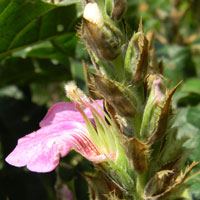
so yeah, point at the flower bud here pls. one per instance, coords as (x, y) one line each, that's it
(165, 183)
(122, 103)
(153, 106)
(98, 34)
(136, 59)
(164, 116)
(115, 96)
(93, 14)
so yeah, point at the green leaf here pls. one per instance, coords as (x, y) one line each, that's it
(194, 189)
(26, 22)
(192, 85)
(77, 74)
(178, 62)
(189, 94)
(188, 122)
(21, 71)
(193, 116)
(16, 71)
(57, 50)
(187, 99)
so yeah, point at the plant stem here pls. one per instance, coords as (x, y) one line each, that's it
(140, 184)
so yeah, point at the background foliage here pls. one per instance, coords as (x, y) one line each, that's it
(40, 51)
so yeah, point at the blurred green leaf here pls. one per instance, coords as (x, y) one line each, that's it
(184, 99)
(178, 63)
(194, 188)
(21, 71)
(193, 117)
(189, 94)
(188, 122)
(16, 71)
(192, 85)
(37, 21)
(77, 73)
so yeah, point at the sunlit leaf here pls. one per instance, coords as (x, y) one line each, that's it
(37, 21)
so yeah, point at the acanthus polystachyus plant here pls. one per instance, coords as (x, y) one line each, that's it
(126, 126)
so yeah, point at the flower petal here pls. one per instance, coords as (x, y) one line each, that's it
(94, 105)
(62, 129)
(59, 112)
(41, 150)
(65, 111)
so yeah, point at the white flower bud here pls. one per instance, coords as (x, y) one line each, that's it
(93, 14)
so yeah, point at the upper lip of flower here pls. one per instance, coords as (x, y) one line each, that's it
(62, 129)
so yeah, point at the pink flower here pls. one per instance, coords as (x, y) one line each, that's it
(65, 127)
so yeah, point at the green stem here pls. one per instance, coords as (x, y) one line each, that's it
(140, 185)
